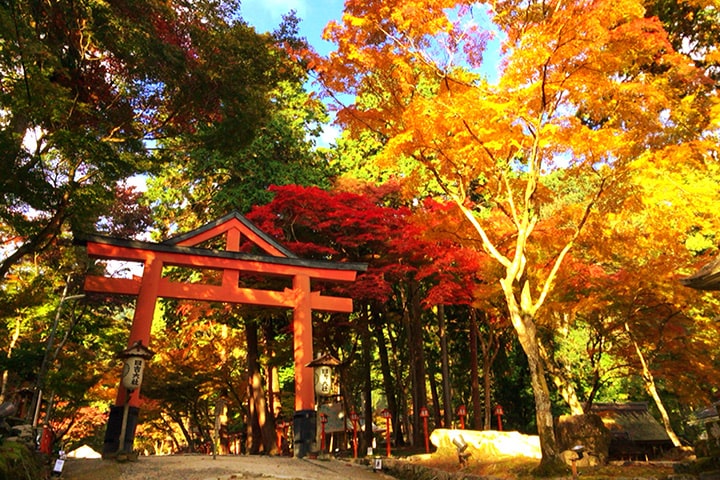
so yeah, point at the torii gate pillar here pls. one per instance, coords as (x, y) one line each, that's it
(177, 252)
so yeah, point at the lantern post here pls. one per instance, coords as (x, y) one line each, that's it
(462, 413)
(323, 421)
(498, 410)
(424, 414)
(325, 387)
(134, 359)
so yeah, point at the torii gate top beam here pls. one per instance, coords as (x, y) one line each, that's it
(108, 248)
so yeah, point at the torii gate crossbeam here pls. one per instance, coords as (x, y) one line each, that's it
(181, 251)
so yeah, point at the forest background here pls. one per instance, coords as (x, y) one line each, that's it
(526, 228)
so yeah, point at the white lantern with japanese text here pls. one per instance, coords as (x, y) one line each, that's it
(134, 364)
(132, 373)
(323, 380)
(324, 367)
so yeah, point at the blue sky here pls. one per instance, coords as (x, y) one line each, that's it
(314, 15)
(265, 15)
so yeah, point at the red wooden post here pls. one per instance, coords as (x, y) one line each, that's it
(323, 421)
(386, 415)
(354, 419)
(498, 410)
(462, 412)
(425, 414)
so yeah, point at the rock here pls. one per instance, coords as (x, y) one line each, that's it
(586, 461)
(23, 431)
(486, 444)
(588, 431)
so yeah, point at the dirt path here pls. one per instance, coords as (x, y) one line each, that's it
(203, 467)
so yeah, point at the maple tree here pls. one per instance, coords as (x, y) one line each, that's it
(412, 275)
(344, 226)
(626, 290)
(200, 355)
(584, 88)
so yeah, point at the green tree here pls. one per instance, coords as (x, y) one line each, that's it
(89, 89)
(210, 182)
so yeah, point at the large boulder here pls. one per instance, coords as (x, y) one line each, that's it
(486, 444)
(587, 431)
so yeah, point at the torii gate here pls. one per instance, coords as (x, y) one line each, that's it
(183, 251)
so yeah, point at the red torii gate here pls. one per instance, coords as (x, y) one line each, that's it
(183, 251)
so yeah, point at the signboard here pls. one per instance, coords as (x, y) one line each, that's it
(335, 416)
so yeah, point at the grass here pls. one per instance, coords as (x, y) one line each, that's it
(18, 462)
(520, 468)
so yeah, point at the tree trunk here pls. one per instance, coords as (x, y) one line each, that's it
(262, 424)
(6, 373)
(273, 381)
(437, 413)
(563, 382)
(560, 374)
(649, 381)
(367, 436)
(487, 386)
(526, 331)
(177, 418)
(169, 432)
(413, 320)
(388, 380)
(477, 417)
(445, 365)
(401, 384)
(490, 346)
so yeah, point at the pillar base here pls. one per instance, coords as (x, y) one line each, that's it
(114, 426)
(305, 433)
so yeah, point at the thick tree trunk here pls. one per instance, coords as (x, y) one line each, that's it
(262, 424)
(526, 330)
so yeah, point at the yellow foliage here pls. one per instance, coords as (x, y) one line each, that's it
(596, 138)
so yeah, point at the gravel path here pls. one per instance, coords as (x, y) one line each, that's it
(203, 467)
